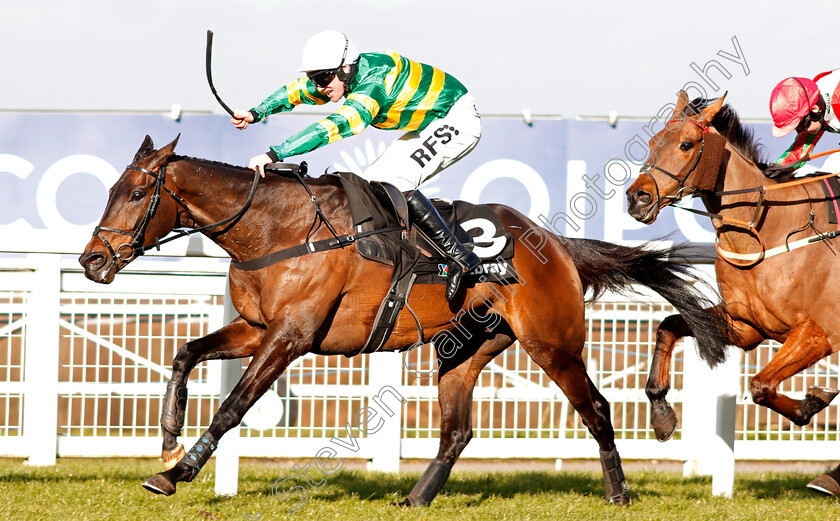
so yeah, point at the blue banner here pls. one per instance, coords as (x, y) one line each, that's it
(567, 175)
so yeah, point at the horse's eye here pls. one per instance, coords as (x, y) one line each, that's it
(685, 146)
(136, 196)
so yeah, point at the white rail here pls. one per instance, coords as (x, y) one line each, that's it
(83, 368)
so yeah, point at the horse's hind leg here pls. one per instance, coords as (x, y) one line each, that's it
(569, 373)
(456, 380)
(235, 340)
(805, 346)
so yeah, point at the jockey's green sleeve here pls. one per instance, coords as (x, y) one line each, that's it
(288, 97)
(799, 150)
(389, 92)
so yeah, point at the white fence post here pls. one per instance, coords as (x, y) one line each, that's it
(708, 426)
(723, 453)
(227, 455)
(40, 412)
(698, 412)
(386, 371)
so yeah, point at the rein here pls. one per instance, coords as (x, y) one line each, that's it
(761, 190)
(136, 248)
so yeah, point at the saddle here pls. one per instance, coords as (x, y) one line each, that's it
(416, 260)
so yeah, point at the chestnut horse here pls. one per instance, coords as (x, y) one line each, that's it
(775, 257)
(326, 302)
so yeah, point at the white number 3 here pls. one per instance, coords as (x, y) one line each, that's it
(488, 235)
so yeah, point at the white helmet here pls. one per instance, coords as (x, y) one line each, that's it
(328, 50)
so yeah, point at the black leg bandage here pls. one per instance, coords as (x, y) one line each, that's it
(430, 483)
(200, 453)
(174, 408)
(615, 487)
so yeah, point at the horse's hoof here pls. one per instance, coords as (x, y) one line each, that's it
(404, 503)
(823, 394)
(664, 424)
(159, 485)
(170, 459)
(825, 484)
(619, 499)
(816, 399)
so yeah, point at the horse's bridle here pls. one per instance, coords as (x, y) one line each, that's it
(136, 247)
(749, 226)
(683, 190)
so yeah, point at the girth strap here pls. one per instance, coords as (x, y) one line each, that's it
(389, 310)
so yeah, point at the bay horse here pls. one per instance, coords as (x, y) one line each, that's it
(326, 302)
(775, 257)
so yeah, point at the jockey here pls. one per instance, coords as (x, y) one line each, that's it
(811, 107)
(390, 92)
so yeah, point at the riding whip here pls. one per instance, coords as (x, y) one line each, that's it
(209, 55)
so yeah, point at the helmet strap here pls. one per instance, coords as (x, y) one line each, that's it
(346, 46)
(347, 78)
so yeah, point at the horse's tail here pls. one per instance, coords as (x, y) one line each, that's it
(605, 266)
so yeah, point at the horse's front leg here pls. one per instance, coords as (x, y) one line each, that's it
(280, 346)
(663, 419)
(805, 346)
(235, 340)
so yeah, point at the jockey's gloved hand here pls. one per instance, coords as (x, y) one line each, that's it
(775, 170)
(275, 157)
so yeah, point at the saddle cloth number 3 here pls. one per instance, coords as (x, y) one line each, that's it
(487, 236)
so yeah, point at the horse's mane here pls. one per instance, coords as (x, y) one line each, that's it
(242, 169)
(176, 157)
(740, 136)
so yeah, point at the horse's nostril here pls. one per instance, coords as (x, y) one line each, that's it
(643, 197)
(95, 260)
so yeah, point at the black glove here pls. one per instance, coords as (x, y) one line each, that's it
(775, 171)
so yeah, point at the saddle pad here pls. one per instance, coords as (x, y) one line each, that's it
(477, 226)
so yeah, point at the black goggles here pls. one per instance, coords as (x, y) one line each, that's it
(322, 78)
(812, 116)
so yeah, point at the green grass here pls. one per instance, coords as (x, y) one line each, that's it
(89, 489)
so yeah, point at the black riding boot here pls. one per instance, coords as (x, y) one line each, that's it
(424, 215)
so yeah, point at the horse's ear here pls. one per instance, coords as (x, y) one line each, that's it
(145, 149)
(162, 156)
(712, 110)
(682, 102)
